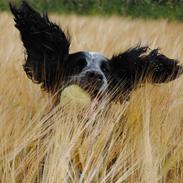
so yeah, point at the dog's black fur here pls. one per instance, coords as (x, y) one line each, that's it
(49, 63)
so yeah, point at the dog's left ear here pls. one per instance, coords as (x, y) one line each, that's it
(46, 45)
(137, 65)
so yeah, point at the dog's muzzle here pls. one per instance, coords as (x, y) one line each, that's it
(92, 81)
(94, 77)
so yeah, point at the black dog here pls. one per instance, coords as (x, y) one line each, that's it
(49, 63)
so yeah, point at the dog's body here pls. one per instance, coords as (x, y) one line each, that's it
(49, 63)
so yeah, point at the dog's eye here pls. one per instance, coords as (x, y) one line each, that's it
(80, 64)
(105, 68)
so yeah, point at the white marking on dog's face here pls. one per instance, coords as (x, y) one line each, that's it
(90, 69)
(95, 63)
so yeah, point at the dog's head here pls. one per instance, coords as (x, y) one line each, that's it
(90, 70)
(49, 62)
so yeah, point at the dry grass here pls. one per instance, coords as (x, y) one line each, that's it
(136, 142)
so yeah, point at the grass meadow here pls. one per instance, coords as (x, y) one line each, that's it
(139, 141)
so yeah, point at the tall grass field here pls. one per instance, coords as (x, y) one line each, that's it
(138, 141)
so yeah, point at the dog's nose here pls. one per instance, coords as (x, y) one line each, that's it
(93, 75)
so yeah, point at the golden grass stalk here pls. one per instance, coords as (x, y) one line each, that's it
(139, 141)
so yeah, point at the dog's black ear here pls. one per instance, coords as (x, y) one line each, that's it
(47, 46)
(137, 65)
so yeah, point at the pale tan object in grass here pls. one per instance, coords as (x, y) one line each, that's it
(75, 94)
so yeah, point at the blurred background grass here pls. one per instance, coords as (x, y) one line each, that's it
(168, 9)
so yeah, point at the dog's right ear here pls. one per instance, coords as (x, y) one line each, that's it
(137, 65)
(47, 46)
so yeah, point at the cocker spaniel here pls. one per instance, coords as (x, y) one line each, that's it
(49, 63)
